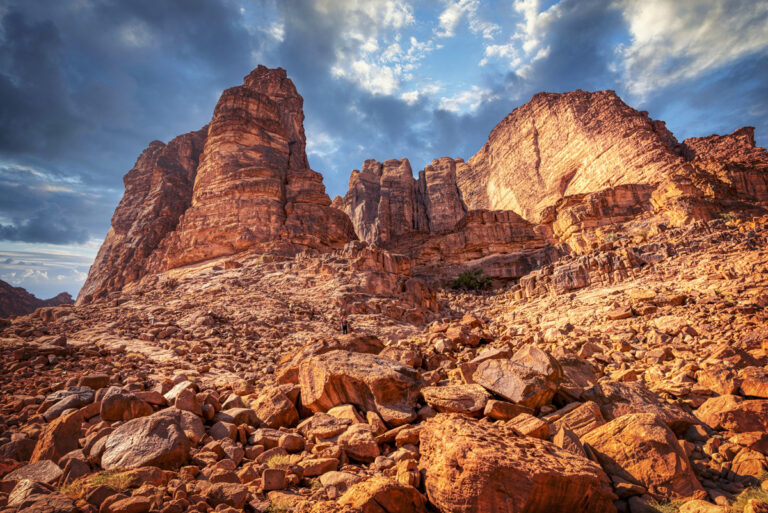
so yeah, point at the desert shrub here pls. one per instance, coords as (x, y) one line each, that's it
(473, 279)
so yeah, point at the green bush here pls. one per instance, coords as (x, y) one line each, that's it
(472, 280)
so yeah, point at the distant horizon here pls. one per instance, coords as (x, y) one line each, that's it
(88, 85)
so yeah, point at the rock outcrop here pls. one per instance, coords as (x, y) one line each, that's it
(254, 188)
(158, 190)
(427, 220)
(17, 301)
(242, 182)
(558, 145)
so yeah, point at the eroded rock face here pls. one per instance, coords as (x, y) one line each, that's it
(254, 187)
(242, 182)
(158, 190)
(563, 144)
(17, 301)
(473, 467)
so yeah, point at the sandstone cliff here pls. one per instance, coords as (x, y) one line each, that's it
(563, 144)
(17, 301)
(158, 190)
(243, 182)
(427, 220)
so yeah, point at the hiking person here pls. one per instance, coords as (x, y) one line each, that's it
(344, 325)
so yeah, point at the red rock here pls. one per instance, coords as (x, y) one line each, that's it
(158, 190)
(369, 382)
(383, 495)
(529, 162)
(43, 471)
(640, 448)
(467, 399)
(17, 301)
(732, 413)
(478, 467)
(58, 438)
(117, 404)
(274, 409)
(146, 441)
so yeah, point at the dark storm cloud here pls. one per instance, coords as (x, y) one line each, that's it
(85, 86)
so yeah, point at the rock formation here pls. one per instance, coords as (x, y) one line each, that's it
(254, 188)
(427, 220)
(563, 144)
(158, 191)
(17, 301)
(242, 182)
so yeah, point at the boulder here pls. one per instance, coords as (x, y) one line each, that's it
(58, 438)
(642, 449)
(369, 382)
(582, 419)
(118, 404)
(733, 413)
(472, 466)
(382, 494)
(530, 378)
(147, 441)
(43, 471)
(274, 409)
(616, 399)
(359, 443)
(467, 399)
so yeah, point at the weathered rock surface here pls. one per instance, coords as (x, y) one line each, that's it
(472, 467)
(253, 187)
(147, 441)
(158, 190)
(642, 449)
(370, 382)
(563, 144)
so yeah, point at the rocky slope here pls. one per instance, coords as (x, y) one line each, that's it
(620, 366)
(226, 386)
(17, 301)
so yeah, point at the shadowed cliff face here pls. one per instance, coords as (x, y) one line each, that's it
(17, 301)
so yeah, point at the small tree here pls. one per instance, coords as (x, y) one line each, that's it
(473, 279)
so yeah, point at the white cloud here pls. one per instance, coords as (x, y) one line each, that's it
(453, 13)
(372, 53)
(465, 101)
(674, 40)
(320, 143)
(411, 97)
(525, 46)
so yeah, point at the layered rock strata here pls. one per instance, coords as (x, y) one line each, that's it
(241, 183)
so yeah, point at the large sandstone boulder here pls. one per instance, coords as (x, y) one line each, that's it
(617, 399)
(640, 448)
(58, 438)
(369, 382)
(382, 494)
(157, 441)
(478, 467)
(530, 378)
(467, 399)
(733, 413)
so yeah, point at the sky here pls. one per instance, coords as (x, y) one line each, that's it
(85, 85)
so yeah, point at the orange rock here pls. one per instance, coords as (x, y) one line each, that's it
(640, 448)
(58, 438)
(732, 413)
(369, 382)
(383, 495)
(475, 466)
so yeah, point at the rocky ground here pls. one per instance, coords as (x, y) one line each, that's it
(587, 386)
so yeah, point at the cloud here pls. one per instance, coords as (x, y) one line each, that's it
(674, 41)
(455, 11)
(465, 101)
